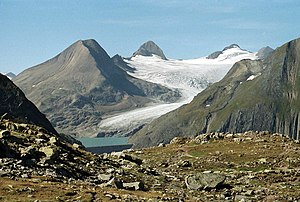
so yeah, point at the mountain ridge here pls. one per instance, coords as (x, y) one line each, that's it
(83, 81)
(254, 95)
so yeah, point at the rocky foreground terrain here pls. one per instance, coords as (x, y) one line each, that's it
(36, 165)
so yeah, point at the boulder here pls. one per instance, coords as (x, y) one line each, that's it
(179, 140)
(127, 157)
(49, 152)
(134, 186)
(4, 133)
(204, 181)
(104, 177)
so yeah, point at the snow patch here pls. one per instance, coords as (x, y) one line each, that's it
(250, 78)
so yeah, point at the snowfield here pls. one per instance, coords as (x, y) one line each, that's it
(190, 77)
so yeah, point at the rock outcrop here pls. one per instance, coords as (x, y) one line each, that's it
(27, 151)
(119, 61)
(148, 49)
(16, 106)
(82, 84)
(254, 95)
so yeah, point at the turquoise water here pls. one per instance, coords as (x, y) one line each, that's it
(103, 141)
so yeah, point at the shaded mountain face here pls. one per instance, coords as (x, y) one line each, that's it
(254, 95)
(14, 105)
(119, 61)
(81, 84)
(265, 52)
(148, 49)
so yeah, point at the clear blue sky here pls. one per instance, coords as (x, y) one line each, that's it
(32, 31)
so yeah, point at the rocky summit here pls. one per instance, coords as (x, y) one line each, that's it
(148, 49)
(82, 84)
(254, 95)
(252, 166)
(265, 52)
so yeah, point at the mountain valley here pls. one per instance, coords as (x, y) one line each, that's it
(193, 160)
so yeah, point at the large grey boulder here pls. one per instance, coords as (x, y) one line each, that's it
(204, 181)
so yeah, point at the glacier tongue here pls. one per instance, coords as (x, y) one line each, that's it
(190, 77)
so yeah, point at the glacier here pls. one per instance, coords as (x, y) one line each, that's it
(190, 77)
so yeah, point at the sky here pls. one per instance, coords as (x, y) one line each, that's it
(33, 31)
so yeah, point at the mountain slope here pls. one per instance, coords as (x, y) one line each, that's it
(15, 105)
(148, 49)
(254, 95)
(82, 84)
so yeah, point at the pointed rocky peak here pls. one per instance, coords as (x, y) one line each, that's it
(264, 52)
(148, 49)
(93, 47)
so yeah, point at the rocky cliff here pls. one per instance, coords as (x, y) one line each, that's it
(16, 106)
(254, 95)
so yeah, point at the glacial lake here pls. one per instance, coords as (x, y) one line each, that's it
(103, 141)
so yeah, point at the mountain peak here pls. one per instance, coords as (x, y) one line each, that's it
(264, 52)
(231, 46)
(83, 81)
(148, 49)
(216, 54)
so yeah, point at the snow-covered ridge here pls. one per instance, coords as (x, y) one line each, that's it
(190, 77)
